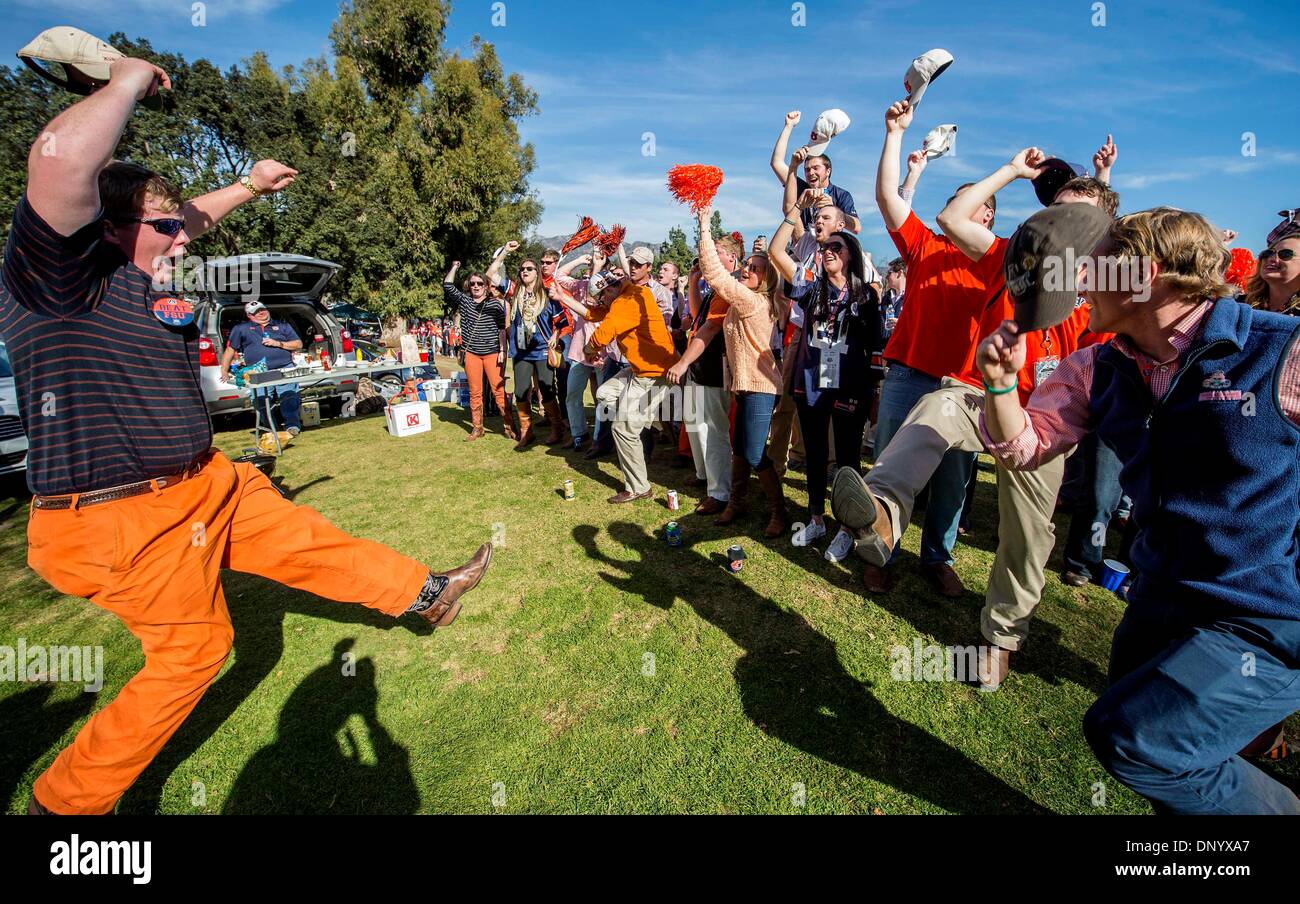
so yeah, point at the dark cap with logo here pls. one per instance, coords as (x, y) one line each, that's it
(1056, 172)
(1042, 259)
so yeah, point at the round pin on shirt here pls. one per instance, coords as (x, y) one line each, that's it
(173, 311)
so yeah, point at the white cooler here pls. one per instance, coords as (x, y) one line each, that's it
(409, 418)
(438, 390)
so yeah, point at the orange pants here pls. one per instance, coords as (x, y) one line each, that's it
(154, 561)
(475, 367)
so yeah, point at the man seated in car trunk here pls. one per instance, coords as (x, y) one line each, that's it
(259, 338)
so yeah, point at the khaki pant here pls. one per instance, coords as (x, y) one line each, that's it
(632, 404)
(708, 433)
(948, 418)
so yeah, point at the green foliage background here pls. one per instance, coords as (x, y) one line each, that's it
(409, 157)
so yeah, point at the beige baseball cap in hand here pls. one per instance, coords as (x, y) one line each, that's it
(75, 60)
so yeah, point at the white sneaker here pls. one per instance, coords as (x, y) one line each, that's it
(805, 535)
(840, 547)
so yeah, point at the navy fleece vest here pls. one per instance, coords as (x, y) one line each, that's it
(1213, 468)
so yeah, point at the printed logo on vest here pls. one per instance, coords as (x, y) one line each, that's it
(1217, 380)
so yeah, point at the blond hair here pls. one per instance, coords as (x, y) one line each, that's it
(125, 187)
(1190, 251)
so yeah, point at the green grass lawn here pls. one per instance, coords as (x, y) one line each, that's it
(595, 669)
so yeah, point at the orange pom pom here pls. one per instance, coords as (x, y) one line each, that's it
(694, 184)
(587, 231)
(608, 242)
(1241, 269)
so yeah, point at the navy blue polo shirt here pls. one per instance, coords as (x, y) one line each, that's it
(246, 338)
(108, 390)
(843, 200)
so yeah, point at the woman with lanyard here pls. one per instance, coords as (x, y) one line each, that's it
(531, 316)
(839, 317)
(1276, 284)
(484, 322)
(752, 376)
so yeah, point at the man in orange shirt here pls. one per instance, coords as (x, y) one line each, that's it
(935, 334)
(879, 508)
(629, 316)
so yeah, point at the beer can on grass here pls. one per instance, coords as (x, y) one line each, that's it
(735, 558)
(673, 533)
(673, 503)
(569, 494)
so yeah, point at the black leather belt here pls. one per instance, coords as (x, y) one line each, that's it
(112, 494)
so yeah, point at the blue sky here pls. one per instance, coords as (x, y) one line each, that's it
(1176, 83)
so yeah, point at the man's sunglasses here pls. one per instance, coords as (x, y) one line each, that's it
(1283, 254)
(168, 226)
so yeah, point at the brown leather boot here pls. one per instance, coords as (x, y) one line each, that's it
(460, 581)
(525, 426)
(779, 522)
(738, 505)
(508, 423)
(477, 416)
(556, 435)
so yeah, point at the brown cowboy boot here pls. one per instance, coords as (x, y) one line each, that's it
(525, 427)
(508, 422)
(738, 505)
(444, 607)
(556, 435)
(476, 415)
(779, 521)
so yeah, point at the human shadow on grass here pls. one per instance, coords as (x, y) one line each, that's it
(331, 754)
(953, 622)
(793, 685)
(257, 610)
(29, 726)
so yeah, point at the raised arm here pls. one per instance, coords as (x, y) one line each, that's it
(893, 208)
(917, 161)
(450, 278)
(64, 163)
(777, 253)
(1104, 159)
(494, 268)
(974, 239)
(566, 268)
(206, 211)
(729, 289)
(782, 141)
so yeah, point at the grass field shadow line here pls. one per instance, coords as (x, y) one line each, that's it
(809, 700)
(29, 726)
(257, 610)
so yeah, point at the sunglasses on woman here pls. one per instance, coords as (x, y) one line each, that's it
(168, 226)
(837, 248)
(527, 269)
(1282, 254)
(476, 284)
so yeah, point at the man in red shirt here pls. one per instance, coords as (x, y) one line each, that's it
(879, 508)
(935, 335)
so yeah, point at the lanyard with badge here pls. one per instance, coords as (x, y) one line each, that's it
(830, 348)
(1045, 366)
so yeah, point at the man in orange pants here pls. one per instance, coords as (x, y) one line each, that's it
(132, 508)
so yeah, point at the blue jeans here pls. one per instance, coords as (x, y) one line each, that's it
(1099, 497)
(574, 390)
(902, 389)
(1179, 707)
(753, 422)
(290, 403)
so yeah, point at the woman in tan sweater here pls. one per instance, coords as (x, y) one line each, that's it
(749, 310)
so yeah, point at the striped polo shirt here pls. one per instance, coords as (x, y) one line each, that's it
(109, 394)
(480, 325)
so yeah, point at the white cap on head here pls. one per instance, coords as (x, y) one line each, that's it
(252, 307)
(925, 69)
(829, 124)
(641, 255)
